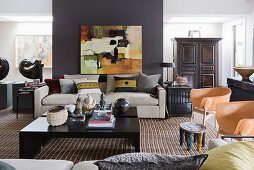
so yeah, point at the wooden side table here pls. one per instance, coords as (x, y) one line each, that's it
(187, 130)
(178, 101)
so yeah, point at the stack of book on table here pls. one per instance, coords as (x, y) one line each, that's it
(101, 121)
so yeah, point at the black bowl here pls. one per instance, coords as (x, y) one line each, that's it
(122, 105)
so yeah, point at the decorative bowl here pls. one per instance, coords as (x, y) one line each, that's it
(122, 105)
(245, 72)
(182, 81)
(57, 115)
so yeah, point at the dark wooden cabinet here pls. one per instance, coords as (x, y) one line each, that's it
(197, 59)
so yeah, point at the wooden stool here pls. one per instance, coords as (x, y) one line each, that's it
(187, 130)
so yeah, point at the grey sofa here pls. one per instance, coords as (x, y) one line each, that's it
(147, 106)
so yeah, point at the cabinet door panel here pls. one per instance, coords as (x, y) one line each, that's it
(207, 80)
(207, 54)
(188, 53)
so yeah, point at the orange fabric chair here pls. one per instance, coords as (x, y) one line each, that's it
(236, 118)
(204, 101)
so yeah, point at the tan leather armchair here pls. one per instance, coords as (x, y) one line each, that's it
(204, 101)
(236, 118)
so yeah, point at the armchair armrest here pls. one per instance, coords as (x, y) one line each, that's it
(39, 94)
(245, 127)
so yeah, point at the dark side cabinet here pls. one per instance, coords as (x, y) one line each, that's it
(197, 59)
(178, 101)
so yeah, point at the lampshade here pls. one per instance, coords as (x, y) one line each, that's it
(171, 65)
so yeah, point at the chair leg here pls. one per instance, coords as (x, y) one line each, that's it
(215, 123)
(192, 115)
(204, 118)
(218, 133)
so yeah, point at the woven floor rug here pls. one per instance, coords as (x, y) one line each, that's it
(157, 136)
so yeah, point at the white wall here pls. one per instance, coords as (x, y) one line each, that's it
(206, 6)
(8, 31)
(26, 7)
(171, 30)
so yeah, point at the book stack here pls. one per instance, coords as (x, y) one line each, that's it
(105, 121)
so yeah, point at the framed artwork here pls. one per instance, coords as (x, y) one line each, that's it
(111, 49)
(34, 47)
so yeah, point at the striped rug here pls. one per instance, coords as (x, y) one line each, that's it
(157, 136)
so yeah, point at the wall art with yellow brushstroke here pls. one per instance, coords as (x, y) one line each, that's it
(111, 49)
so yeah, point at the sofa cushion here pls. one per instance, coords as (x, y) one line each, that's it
(125, 84)
(87, 86)
(32, 164)
(85, 165)
(151, 161)
(111, 80)
(135, 98)
(238, 155)
(66, 99)
(147, 83)
(67, 86)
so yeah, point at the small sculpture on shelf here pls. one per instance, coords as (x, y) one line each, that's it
(89, 103)
(4, 68)
(78, 112)
(102, 102)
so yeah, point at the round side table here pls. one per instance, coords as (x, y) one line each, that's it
(187, 129)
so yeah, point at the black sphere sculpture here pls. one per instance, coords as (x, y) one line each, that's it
(122, 105)
(4, 68)
(31, 70)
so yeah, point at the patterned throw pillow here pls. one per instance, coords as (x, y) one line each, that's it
(125, 84)
(151, 162)
(147, 83)
(87, 86)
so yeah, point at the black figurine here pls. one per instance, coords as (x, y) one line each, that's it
(102, 102)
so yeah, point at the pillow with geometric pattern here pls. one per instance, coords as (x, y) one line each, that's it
(87, 86)
(125, 84)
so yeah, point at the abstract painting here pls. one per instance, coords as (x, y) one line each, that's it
(111, 49)
(34, 47)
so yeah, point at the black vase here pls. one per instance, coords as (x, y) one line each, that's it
(122, 105)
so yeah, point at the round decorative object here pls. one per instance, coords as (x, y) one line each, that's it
(122, 105)
(182, 81)
(4, 68)
(57, 115)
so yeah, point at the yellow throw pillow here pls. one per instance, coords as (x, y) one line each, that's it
(234, 156)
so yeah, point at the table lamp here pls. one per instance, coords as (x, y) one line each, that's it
(167, 65)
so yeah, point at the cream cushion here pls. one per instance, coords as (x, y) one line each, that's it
(111, 80)
(80, 76)
(85, 165)
(135, 98)
(66, 99)
(32, 164)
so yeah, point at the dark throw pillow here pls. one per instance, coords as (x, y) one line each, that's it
(67, 86)
(147, 83)
(54, 85)
(151, 162)
(125, 84)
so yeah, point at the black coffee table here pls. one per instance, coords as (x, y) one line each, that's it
(36, 134)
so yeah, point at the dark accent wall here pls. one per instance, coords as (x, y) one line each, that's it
(69, 15)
